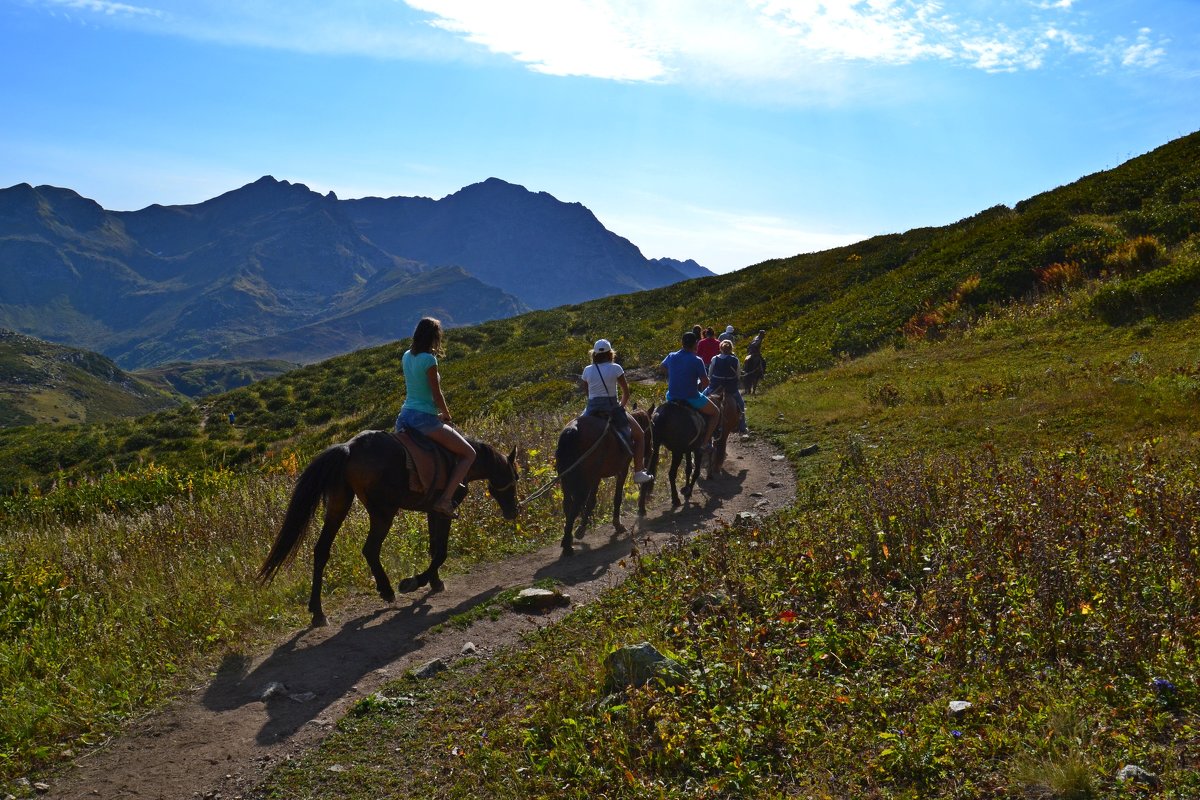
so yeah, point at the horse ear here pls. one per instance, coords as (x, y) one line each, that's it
(512, 458)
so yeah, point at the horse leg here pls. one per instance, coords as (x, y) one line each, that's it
(571, 507)
(691, 468)
(337, 506)
(589, 508)
(675, 459)
(618, 496)
(381, 523)
(439, 549)
(439, 540)
(693, 472)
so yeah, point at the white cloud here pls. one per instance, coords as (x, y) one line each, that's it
(1144, 53)
(803, 46)
(720, 239)
(557, 37)
(771, 39)
(105, 7)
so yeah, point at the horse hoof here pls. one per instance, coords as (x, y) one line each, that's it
(319, 621)
(436, 586)
(567, 551)
(388, 596)
(620, 530)
(409, 585)
(676, 503)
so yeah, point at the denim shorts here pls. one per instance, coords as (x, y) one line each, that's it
(418, 421)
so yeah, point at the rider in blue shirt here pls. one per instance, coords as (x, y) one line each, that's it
(723, 374)
(686, 377)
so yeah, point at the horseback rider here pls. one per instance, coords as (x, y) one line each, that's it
(425, 409)
(728, 335)
(601, 379)
(686, 377)
(755, 363)
(708, 347)
(723, 373)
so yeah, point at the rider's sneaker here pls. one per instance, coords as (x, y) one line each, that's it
(641, 476)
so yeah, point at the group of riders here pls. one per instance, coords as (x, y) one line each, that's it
(705, 363)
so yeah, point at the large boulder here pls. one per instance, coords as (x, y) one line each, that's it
(637, 665)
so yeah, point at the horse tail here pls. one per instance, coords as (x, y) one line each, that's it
(316, 479)
(566, 458)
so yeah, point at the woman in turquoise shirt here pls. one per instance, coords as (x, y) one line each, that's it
(425, 408)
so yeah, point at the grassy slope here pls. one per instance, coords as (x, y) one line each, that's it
(828, 669)
(203, 378)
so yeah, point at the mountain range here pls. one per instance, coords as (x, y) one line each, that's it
(274, 270)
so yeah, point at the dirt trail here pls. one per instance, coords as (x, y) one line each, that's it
(219, 740)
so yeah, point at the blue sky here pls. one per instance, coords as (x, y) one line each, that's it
(729, 131)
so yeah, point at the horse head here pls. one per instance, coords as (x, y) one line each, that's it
(502, 475)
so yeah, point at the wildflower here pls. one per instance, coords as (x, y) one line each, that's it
(788, 616)
(956, 734)
(1162, 686)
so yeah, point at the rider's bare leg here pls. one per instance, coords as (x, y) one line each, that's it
(453, 441)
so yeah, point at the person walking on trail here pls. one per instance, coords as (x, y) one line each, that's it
(425, 409)
(686, 377)
(723, 374)
(708, 346)
(728, 335)
(602, 379)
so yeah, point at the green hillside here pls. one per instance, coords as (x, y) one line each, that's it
(1001, 509)
(194, 379)
(43, 383)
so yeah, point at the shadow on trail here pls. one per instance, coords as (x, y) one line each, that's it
(330, 668)
(595, 553)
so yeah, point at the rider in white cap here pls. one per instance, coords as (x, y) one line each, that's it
(602, 379)
(728, 335)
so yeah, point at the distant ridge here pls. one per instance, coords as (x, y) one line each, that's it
(274, 270)
(543, 251)
(49, 383)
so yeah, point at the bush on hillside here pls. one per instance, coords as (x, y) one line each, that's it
(1083, 242)
(1171, 223)
(1140, 254)
(1170, 291)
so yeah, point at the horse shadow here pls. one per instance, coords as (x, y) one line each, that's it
(318, 676)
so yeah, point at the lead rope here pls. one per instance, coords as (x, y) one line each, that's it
(542, 490)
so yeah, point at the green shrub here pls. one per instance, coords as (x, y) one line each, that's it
(1168, 291)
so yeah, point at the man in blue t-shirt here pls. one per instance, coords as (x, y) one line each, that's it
(686, 378)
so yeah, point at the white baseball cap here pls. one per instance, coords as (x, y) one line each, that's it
(602, 346)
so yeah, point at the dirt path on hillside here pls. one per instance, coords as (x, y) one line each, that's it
(218, 741)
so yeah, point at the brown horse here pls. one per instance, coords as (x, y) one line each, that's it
(728, 418)
(372, 467)
(589, 451)
(753, 370)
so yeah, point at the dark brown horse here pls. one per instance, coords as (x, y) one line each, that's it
(681, 430)
(589, 451)
(372, 467)
(728, 418)
(753, 370)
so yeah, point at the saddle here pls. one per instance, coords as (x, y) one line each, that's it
(686, 416)
(429, 464)
(593, 425)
